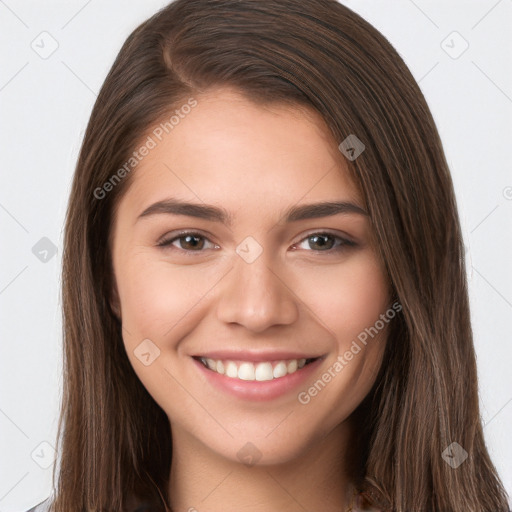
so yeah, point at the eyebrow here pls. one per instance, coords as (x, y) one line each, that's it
(173, 206)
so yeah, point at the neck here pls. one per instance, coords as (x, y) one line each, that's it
(318, 479)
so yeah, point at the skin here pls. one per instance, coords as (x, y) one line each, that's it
(255, 162)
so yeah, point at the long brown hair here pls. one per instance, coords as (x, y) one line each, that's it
(114, 440)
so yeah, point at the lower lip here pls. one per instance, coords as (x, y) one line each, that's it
(259, 390)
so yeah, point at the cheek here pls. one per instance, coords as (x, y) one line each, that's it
(148, 297)
(350, 306)
(160, 301)
(141, 292)
(348, 298)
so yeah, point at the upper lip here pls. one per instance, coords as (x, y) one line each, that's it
(250, 355)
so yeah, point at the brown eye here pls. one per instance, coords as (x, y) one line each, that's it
(325, 242)
(187, 242)
(321, 241)
(191, 242)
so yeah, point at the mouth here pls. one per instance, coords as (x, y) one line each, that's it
(259, 371)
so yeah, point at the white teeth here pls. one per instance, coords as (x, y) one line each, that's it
(280, 370)
(246, 371)
(231, 369)
(263, 372)
(292, 366)
(259, 371)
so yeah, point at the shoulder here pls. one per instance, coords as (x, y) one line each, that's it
(44, 506)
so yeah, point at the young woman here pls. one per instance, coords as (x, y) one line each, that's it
(264, 287)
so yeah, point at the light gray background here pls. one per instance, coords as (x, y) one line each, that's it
(45, 104)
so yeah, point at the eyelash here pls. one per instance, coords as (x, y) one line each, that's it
(344, 244)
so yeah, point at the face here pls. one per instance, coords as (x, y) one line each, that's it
(249, 315)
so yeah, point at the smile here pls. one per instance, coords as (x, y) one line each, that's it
(260, 371)
(257, 375)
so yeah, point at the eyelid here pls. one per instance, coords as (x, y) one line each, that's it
(344, 237)
(167, 240)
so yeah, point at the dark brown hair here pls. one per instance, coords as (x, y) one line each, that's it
(114, 440)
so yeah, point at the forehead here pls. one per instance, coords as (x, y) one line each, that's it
(232, 151)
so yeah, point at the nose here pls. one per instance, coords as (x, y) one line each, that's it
(256, 297)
